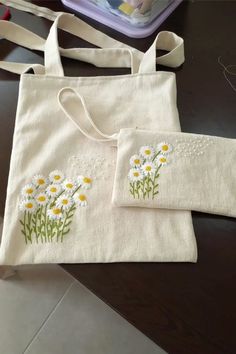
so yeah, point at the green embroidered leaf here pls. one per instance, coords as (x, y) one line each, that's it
(23, 232)
(66, 232)
(21, 222)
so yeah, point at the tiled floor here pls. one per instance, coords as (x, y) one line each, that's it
(44, 310)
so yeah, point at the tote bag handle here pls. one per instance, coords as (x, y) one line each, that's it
(23, 37)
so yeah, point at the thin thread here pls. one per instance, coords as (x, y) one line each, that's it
(226, 70)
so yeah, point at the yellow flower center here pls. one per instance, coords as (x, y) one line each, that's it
(29, 191)
(29, 205)
(41, 181)
(148, 152)
(137, 161)
(69, 185)
(163, 160)
(53, 190)
(82, 197)
(148, 168)
(136, 174)
(165, 148)
(56, 211)
(41, 198)
(87, 180)
(57, 177)
(65, 201)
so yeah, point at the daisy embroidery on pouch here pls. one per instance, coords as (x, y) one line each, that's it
(135, 175)
(164, 148)
(146, 167)
(147, 152)
(85, 182)
(48, 205)
(136, 161)
(162, 160)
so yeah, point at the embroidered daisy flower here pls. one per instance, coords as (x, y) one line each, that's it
(39, 181)
(148, 168)
(53, 190)
(147, 152)
(56, 176)
(29, 190)
(80, 199)
(135, 175)
(162, 160)
(28, 205)
(55, 213)
(164, 148)
(65, 202)
(85, 182)
(41, 198)
(136, 161)
(69, 185)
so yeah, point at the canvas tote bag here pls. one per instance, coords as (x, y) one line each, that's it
(58, 207)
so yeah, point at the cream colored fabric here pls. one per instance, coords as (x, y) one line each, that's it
(191, 172)
(45, 141)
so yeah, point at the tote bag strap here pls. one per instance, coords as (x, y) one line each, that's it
(169, 42)
(81, 114)
(113, 53)
(23, 37)
(72, 24)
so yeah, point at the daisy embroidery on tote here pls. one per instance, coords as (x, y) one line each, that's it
(48, 205)
(145, 170)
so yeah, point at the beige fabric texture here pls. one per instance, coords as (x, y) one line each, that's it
(191, 172)
(45, 141)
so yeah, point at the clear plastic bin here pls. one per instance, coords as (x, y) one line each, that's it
(135, 18)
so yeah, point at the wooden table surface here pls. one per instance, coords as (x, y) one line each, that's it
(185, 308)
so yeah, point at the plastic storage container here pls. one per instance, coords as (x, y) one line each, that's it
(135, 18)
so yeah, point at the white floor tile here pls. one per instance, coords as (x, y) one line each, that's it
(83, 324)
(26, 300)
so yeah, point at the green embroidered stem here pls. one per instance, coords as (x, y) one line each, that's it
(155, 156)
(132, 189)
(24, 231)
(68, 219)
(154, 184)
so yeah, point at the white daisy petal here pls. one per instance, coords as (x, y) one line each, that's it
(164, 148)
(135, 175)
(85, 182)
(69, 185)
(162, 160)
(39, 181)
(147, 152)
(56, 176)
(148, 168)
(41, 199)
(53, 190)
(29, 190)
(80, 199)
(28, 205)
(55, 213)
(136, 161)
(64, 202)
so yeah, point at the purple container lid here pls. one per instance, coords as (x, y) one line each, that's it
(110, 20)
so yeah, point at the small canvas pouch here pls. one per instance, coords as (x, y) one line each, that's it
(175, 171)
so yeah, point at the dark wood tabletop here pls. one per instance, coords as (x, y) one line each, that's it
(185, 308)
